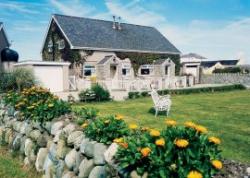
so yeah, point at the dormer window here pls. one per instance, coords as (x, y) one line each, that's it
(61, 44)
(146, 69)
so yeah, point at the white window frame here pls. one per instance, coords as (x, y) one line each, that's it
(91, 68)
(149, 67)
(61, 44)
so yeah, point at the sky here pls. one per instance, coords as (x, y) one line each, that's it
(216, 29)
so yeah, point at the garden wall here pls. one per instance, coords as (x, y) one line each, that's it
(56, 149)
(224, 78)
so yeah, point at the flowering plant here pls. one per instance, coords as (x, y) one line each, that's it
(176, 151)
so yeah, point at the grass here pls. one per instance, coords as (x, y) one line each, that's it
(225, 114)
(12, 167)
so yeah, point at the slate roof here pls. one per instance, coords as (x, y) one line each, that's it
(193, 55)
(223, 62)
(105, 59)
(96, 34)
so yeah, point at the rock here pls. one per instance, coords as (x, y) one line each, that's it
(49, 142)
(99, 149)
(75, 138)
(85, 168)
(22, 127)
(52, 153)
(89, 149)
(134, 174)
(35, 134)
(41, 157)
(22, 146)
(29, 145)
(47, 167)
(83, 144)
(59, 168)
(47, 126)
(110, 153)
(42, 140)
(70, 159)
(26, 161)
(17, 126)
(57, 136)
(17, 142)
(68, 174)
(28, 129)
(248, 171)
(61, 149)
(98, 172)
(79, 158)
(56, 126)
(68, 129)
(8, 135)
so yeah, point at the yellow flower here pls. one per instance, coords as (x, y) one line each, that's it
(118, 140)
(107, 121)
(190, 124)
(119, 117)
(155, 133)
(144, 129)
(181, 143)
(201, 129)
(145, 151)
(214, 140)
(217, 164)
(51, 105)
(160, 142)
(133, 126)
(194, 174)
(84, 125)
(170, 122)
(31, 107)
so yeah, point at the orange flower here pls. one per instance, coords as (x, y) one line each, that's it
(194, 174)
(181, 143)
(119, 117)
(214, 140)
(145, 151)
(124, 145)
(201, 129)
(217, 164)
(160, 142)
(155, 133)
(170, 122)
(189, 124)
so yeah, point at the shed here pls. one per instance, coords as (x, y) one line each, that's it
(51, 75)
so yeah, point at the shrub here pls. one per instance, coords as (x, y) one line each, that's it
(96, 93)
(228, 70)
(37, 104)
(144, 93)
(133, 95)
(106, 129)
(176, 151)
(17, 80)
(86, 113)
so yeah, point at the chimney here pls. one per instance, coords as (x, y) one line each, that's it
(114, 25)
(119, 23)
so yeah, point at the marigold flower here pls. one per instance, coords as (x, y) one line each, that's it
(118, 140)
(217, 164)
(171, 122)
(84, 125)
(181, 143)
(194, 174)
(201, 129)
(214, 140)
(155, 133)
(160, 142)
(124, 145)
(190, 124)
(119, 117)
(133, 126)
(145, 151)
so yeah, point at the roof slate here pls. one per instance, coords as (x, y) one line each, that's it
(193, 55)
(93, 33)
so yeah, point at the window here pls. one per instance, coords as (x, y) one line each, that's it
(126, 69)
(146, 69)
(166, 70)
(50, 46)
(61, 44)
(88, 70)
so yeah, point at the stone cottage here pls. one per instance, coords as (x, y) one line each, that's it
(109, 51)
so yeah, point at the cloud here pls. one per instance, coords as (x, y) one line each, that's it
(73, 7)
(17, 7)
(214, 39)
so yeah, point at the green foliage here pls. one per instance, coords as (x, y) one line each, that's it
(96, 93)
(228, 70)
(133, 95)
(106, 129)
(138, 59)
(173, 152)
(17, 79)
(86, 113)
(37, 104)
(145, 93)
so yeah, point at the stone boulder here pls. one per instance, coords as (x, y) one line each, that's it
(56, 126)
(85, 168)
(75, 138)
(70, 159)
(99, 149)
(41, 157)
(98, 172)
(110, 153)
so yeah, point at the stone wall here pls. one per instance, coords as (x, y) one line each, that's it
(226, 78)
(56, 149)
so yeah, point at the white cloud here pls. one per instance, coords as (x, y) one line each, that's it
(17, 7)
(217, 39)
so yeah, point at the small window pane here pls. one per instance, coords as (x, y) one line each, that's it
(145, 71)
(166, 70)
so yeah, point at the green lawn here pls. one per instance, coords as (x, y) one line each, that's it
(12, 167)
(226, 115)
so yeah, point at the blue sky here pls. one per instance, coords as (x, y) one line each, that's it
(217, 29)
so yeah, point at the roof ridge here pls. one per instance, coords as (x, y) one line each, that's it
(102, 20)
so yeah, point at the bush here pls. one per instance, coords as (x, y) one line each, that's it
(83, 114)
(144, 93)
(176, 151)
(37, 104)
(17, 80)
(133, 95)
(106, 129)
(96, 93)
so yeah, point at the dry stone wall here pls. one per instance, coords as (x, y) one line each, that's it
(57, 149)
